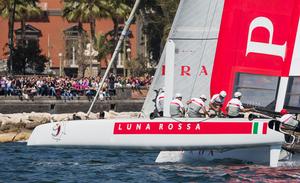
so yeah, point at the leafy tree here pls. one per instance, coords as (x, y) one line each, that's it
(117, 10)
(85, 11)
(29, 57)
(104, 46)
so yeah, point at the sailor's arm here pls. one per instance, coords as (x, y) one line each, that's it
(211, 105)
(204, 111)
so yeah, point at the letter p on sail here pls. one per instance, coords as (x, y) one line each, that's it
(264, 48)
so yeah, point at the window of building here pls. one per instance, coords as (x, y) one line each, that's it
(257, 90)
(292, 99)
(31, 35)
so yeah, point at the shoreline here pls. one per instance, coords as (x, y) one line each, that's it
(19, 126)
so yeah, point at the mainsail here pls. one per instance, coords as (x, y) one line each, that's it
(195, 32)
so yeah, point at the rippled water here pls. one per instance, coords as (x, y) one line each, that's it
(20, 163)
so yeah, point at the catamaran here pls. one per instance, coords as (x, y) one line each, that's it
(213, 45)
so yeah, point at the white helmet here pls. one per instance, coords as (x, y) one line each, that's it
(203, 97)
(237, 94)
(178, 95)
(223, 93)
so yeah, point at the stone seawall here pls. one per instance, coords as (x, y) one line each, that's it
(18, 127)
(19, 117)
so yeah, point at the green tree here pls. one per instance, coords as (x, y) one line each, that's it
(117, 10)
(85, 11)
(104, 46)
(29, 58)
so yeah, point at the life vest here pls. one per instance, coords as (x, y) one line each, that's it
(160, 102)
(234, 107)
(194, 107)
(290, 121)
(216, 100)
(176, 108)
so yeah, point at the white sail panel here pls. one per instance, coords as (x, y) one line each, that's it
(195, 33)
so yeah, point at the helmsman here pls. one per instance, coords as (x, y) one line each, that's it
(235, 106)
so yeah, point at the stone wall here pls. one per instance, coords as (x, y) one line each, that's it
(122, 102)
(59, 107)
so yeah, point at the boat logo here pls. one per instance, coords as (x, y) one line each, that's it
(57, 131)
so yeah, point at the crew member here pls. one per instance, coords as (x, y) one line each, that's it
(289, 121)
(235, 106)
(216, 102)
(176, 107)
(160, 102)
(196, 107)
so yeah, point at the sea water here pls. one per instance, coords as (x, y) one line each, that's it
(20, 163)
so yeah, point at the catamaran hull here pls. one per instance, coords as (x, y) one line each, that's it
(168, 134)
(158, 134)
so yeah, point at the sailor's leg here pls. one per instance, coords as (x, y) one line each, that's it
(274, 155)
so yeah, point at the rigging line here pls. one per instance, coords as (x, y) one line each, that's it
(205, 119)
(117, 49)
(203, 51)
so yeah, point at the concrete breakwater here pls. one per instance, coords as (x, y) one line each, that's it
(18, 127)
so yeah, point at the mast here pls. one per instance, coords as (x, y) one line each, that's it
(117, 50)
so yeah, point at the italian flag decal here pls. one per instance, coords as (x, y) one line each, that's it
(259, 128)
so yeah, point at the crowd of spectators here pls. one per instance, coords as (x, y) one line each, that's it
(26, 87)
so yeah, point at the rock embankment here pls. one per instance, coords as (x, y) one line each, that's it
(18, 126)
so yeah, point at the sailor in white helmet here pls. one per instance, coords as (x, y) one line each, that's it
(160, 102)
(217, 102)
(176, 107)
(196, 107)
(235, 106)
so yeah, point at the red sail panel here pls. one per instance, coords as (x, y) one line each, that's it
(256, 37)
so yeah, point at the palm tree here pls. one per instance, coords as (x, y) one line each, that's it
(84, 11)
(118, 10)
(25, 12)
(9, 8)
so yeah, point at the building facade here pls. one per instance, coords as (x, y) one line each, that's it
(57, 38)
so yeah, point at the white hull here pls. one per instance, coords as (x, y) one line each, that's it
(229, 138)
(158, 134)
